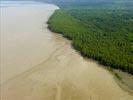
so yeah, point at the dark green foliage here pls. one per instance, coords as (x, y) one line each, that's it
(104, 35)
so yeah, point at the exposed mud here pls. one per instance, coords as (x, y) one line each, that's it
(40, 65)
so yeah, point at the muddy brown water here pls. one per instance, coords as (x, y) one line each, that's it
(37, 64)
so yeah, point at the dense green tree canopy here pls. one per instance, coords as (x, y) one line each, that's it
(103, 34)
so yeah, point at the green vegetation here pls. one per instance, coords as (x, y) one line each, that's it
(105, 35)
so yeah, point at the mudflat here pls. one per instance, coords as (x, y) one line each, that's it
(37, 64)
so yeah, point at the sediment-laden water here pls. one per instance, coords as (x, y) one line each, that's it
(37, 64)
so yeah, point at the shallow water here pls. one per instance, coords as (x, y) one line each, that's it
(37, 64)
(24, 37)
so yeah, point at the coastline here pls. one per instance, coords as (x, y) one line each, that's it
(118, 77)
(63, 75)
(123, 79)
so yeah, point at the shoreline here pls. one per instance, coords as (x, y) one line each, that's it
(64, 74)
(76, 33)
(122, 85)
(123, 79)
(115, 72)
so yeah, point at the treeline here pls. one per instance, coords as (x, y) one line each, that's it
(104, 35)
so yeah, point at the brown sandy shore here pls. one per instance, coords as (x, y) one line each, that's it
(40, 65)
